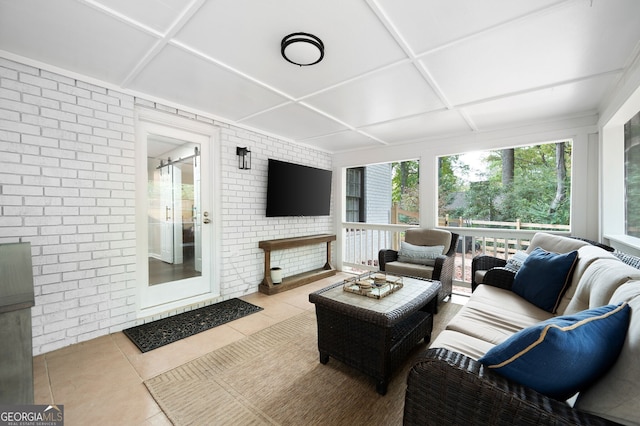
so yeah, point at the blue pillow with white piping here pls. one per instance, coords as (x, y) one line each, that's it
(563, 355)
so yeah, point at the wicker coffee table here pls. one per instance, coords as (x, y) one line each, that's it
(374, 335)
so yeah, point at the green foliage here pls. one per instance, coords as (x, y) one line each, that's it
(481, 199)
(405, 175)
(528, 198)
(449, 185)
(405, 188)
(632, 185)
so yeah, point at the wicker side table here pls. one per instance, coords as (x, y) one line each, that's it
(374, 335)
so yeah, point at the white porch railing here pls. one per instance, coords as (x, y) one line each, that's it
(361, 242)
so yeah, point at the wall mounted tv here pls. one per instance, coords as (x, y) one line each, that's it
(297, 190)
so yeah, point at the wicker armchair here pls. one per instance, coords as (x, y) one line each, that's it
(490, 269)
(444, 264)
(448, 388)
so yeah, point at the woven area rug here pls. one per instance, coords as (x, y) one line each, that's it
(274, 377)
(155, 334)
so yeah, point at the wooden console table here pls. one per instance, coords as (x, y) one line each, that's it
(268, 287)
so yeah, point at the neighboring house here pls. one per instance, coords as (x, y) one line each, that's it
(368, 197)
(368, 200)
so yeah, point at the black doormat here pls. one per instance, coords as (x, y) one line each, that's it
(155, 334)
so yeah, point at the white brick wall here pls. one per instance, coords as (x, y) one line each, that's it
(244, 220)
(67, 186)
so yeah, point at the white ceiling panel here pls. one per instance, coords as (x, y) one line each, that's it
(388, 94)
(543, 105)
(398, 71)
(73, 36)
(429, 24)
(573, 42)
(246, 35)
(294, 121)
(418, 127)
(341, 141)
(164, 12)
(181, 77)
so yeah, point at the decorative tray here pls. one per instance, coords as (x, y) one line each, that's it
(376, 285)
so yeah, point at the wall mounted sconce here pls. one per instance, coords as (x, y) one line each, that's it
(244, 158)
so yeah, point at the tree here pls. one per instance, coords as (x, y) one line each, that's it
(561, 176)
(528, 183)
(632, 175)
(508, 166)
(482, 199)
(405, 183)
(449, 184)
(405, 175)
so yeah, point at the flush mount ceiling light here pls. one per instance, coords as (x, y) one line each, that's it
(302, 49)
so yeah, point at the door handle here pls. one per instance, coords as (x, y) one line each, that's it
(206, 220)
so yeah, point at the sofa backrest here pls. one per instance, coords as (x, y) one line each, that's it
(554, 243)
(586, 256)
(616, 396)
(598, 282)
(429, 237)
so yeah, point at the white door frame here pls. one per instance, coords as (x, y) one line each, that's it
(159, 298)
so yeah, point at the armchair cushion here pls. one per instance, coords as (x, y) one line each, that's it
(579, 348)
(544, 277)
(421, 255)
(442, 267)
(429, 237)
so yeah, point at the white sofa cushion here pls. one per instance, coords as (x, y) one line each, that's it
(598, 284)
(494, 314)
(554, 243)
(616, 396)
(461, 343)
(586, 256)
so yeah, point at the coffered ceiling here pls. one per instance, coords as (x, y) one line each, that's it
(394, 71)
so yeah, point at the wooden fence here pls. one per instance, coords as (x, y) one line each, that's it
(461, 222)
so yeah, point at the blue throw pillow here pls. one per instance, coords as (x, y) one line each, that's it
(563, 355)
(544, 277)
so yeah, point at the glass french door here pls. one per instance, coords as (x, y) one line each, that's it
(174, 216)
(175, 233)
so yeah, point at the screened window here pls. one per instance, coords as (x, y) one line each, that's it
(526, 187)
(383, 193)
(632, 175)
(355, 195)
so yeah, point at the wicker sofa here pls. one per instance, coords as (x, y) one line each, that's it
(448, 385)
(441, 267)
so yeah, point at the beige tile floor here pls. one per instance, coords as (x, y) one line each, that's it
(101, 381)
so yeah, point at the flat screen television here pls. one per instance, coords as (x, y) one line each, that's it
(297, 190)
